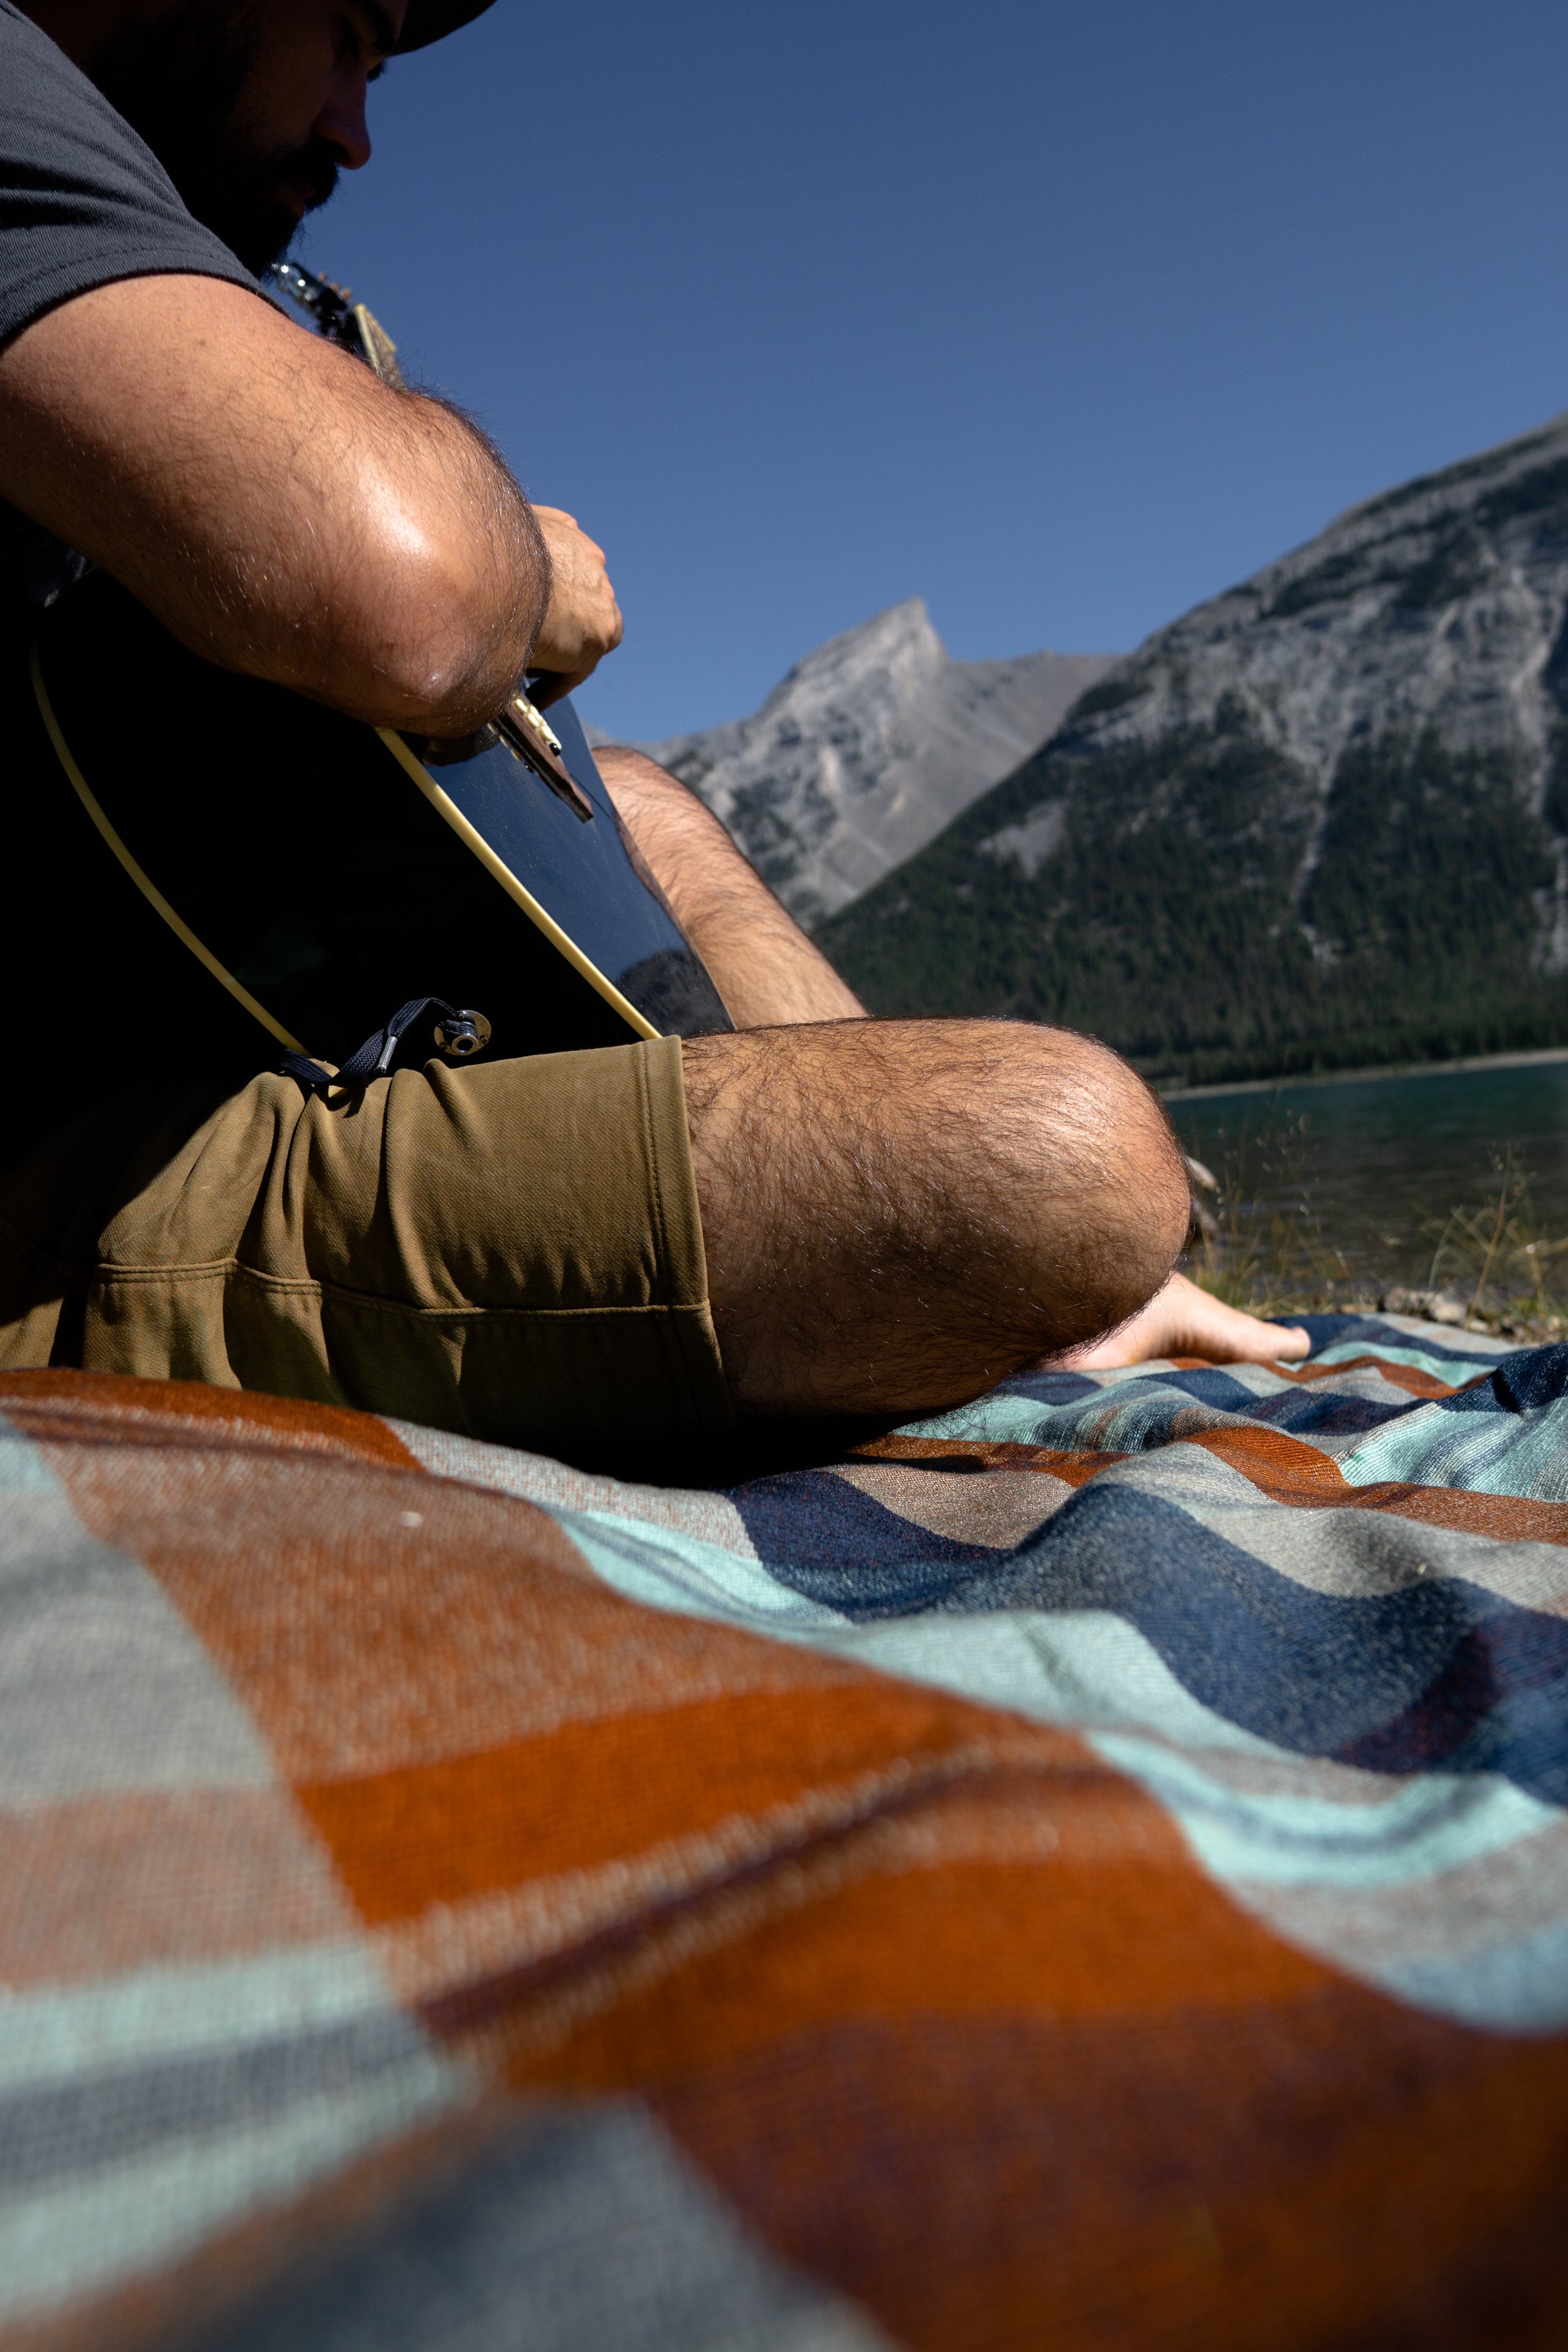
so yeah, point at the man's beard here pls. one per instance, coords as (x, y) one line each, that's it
(182, 87)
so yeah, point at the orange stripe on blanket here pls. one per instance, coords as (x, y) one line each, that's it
(1288, 1471)
(1328, 2171)
(1086, 2102)
(1408, 1377)
(1507, 1519)
(72, 1407)
(977, 1456)
(1282, 1466)
(1038, 1886)
(591, 1792)
(1099, 1935)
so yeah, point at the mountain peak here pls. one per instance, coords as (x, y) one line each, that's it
(866, 748)
(899, 643)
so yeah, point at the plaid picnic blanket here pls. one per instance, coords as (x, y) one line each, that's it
(1090, 1870)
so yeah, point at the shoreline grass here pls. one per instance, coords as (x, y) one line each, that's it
(1493, 1266)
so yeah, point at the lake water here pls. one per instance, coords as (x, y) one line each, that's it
(1375, 1162)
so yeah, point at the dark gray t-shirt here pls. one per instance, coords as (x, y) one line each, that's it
(83, 201)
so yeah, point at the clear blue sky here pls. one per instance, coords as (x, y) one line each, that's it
(1061, 317)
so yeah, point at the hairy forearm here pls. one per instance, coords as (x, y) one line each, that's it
(762, 964)
(278, 509)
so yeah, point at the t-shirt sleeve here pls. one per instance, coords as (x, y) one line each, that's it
(83, 201)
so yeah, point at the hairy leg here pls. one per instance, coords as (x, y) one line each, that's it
(769, 973)
(763, 966)
(898, 1214)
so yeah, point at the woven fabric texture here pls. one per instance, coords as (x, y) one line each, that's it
(1090, 1871)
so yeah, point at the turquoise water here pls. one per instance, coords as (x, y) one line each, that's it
(1375, 1162)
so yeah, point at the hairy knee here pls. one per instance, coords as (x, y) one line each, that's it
(905, 1211)
(1102, 1192)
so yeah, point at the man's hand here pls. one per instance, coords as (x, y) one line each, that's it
(581, 622)
(1182, 1320)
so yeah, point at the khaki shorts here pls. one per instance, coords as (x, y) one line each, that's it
(513, 1252)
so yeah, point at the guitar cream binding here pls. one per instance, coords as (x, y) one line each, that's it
(474, 840)
(445, 807)
(149, 889)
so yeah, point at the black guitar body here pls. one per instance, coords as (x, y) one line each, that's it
(323, 872)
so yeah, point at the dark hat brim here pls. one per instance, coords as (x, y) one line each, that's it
(432, 20)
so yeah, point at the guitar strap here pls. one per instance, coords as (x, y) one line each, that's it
(459, 1034)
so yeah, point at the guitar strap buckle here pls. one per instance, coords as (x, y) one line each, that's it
(460, 1033)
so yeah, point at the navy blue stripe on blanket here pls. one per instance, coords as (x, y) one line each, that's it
(1443, 1674)
(1521, 1383)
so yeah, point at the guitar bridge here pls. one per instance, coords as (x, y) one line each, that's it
(528, 736)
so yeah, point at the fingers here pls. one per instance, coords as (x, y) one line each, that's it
(582, 621)
(1248, 1340)
(1289, 1342)
(566, 526)
(1202, 1325)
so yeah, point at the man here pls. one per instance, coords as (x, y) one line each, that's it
(818, 1215)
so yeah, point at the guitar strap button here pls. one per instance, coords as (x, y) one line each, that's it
(463, 1034)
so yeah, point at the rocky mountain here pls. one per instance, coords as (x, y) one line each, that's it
(868, 749)
(1321, 820)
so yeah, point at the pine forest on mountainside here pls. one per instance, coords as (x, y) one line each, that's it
(1321, 821)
